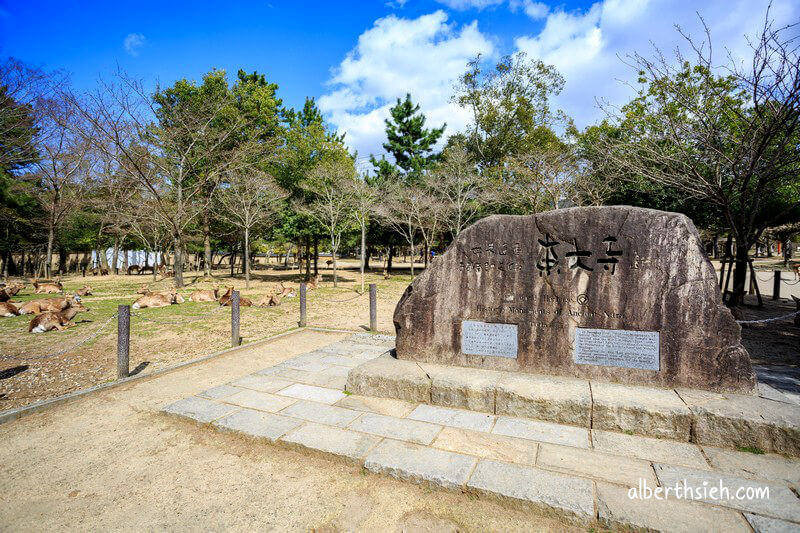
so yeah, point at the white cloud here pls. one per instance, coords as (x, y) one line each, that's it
(422, 56)
(133, 43)
(589, 47)
(463, 5)
(535, 10)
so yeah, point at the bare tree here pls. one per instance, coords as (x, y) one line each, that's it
(729, 139)
(331, 183)
(249, 198)
(400, 207)
(457, 186)
(539, 179)
(165, 156)
(365, 198)
(62, 165)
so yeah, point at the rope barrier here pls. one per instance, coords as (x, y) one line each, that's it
(346, 299)
(795, 282)
(765, 280)
(763, 320)
(178, 322)
(92, 336)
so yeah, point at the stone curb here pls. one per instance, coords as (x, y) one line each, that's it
(43, 405)
(701, 417)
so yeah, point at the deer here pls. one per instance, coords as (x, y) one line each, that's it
(147, 269)
(133, 269)
(102, 271)
(8, 309)
(60, 320)
(205, 295)
(386, 274)
(157, 299)
(226, 298)
(6, 294)
(48, 288)
(35, 307)
(796, 269)
(314, 282)
(286, 292)
(84, 291)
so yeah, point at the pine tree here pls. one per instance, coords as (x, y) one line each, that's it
(408, 141)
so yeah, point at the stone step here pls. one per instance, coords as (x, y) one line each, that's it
(725, 420)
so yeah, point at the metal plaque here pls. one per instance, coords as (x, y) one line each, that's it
(486, 338)
(616, 347)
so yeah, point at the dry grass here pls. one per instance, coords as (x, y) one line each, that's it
(201, 328)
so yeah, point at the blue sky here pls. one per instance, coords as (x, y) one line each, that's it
(357, 57)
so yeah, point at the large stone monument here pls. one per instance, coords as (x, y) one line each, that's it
(620, 294)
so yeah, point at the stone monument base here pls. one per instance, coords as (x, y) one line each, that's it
(702, 417)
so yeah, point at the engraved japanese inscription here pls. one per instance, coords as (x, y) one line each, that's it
(620, 269)
(616, 347)
(483, 338)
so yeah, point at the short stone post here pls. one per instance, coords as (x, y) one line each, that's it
(235, 339)
(373, 307)
(302, 322)
(776, 285)
(123, 341)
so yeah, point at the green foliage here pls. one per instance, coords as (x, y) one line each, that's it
(408, 141)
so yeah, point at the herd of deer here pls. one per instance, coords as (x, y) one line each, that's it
(57, 313)
(51, 313)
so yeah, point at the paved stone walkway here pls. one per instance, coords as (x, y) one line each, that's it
(582, 473)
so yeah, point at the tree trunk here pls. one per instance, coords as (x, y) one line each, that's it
(308, 257)
(363, 253)
(125, 261)
(233, 258)
(316, 256)
(412, 259)
(333, 258)
(48, 269)
(115, 258)
(389, 260)
(427, 253)
(739, 276)
(206, 245)
(178, 262)
(247, 258)
(155, 263)
(367, 255)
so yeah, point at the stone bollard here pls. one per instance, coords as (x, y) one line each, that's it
(235, 339)
(302, 322)
(123, 341)
(373, 307)
(776, 285)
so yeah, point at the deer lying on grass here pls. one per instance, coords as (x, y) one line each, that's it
(145, 291)
(35, 307)
(157, 299)
(314, 283)
(103, 271)
(205, 295)
(47, 288)
(7, 292)
(8, 309)
(386, 274)
(55, 320)
(133, 269)
(226, 298)
(84, 291)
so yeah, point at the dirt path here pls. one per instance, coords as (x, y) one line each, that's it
(112, 461)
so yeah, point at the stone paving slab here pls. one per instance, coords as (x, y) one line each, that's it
(645, 411)
(321, 413)
(312, 392)
(257, 424)
(763, 524)
(396, 428)
(744, 464)
(452, 417)
(542, 431)
(734, 420)
(381, 406)
(615, 508)
(322, 378)
(386, 377)
(487, 445)
(262, 383)
(623, 470)
(465, 388)
(221, 391)
(548, 398)
(532, 485)
(419, 463)
(782, 502)
(199, 409)
(332, 440)
(660, 450)
(261, 401)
